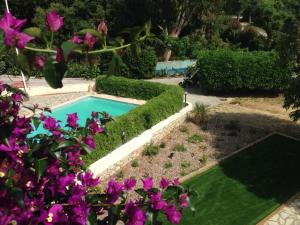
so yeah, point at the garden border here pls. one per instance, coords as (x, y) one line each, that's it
(113, 161)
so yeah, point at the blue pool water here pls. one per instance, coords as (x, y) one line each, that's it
(173, 67)
(84, 107)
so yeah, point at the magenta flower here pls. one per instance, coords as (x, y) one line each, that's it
(176, 182)
(157, 203)
(50, 123)
(89, 40)
(183, 201)
(148, 183)
(15, 38)
(164, 183)
(9, 21)
(39, 62)
(88, 179)
(95, 128)
(89, 140)
(129, 184)
(56, 215)
(173, 215)
(76, 39)
(54, 21)
(59, 55)
(64, 182)
(114, 190)
(102, 27)
(80, 213)
(136, 216)
(72, 120)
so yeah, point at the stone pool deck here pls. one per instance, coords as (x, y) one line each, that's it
(288, 215)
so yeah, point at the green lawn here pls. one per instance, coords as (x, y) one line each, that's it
(249, 186)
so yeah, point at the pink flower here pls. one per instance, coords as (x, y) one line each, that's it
(72, 120)
(15, 38)
(9, 21)
(157, 203)
(129, 184)
(50, 123)
(102, 27)
(39, 62)
(176, 182)
(164, 183)
(76, 39)
(183, 201)
(89, 140)
(173, 215)
(148, 183)
(114, 191)
(54, 21)
(89, 40)
(136, 216)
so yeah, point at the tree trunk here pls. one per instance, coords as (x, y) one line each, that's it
(168, 52)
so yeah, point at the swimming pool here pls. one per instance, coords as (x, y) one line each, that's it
(173, 67)
(84, 107)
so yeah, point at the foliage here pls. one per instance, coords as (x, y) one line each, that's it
(229, 71)
(163, 101)
(199, 114)
(141, 66)
(82, 71)
(195, 138)
(180, 148)
(151, 150)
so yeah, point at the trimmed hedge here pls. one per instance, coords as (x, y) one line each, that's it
(163, 101)
(228, 71)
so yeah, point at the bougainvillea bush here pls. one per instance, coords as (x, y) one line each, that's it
(42, 180)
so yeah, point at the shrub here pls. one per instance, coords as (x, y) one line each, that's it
(227, 71)
(199, 115)
(168, 165)
(151, 150)
(180, 148)
(135, 163)
(165, 100)
(83, 71)
(142, 65)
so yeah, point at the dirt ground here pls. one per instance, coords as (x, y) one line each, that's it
(231, 126)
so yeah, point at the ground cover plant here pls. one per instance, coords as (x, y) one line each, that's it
(42, 178)
(248, 186)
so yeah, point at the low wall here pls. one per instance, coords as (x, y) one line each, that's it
(111, 163)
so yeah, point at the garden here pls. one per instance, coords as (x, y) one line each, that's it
(149, 112)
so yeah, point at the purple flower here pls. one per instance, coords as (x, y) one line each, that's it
(14, 38)
(76, 39)
(148, 183)
(64, 182)
(80, 213)
(136, 216)
(95, 128)
(54, 21)
(176, 182)
(183, 201)
(56, 215)
(50, 123)
(39, 62)
(72, 120)
(164, 183)
(89, 40)
(9, 21)
(59, 55)
(78, 192)
(129, 184)
(157, 202)
(173, 215)
(114, 191)
(102, 27)
(89, 140)
(74, 159)
(88, 179)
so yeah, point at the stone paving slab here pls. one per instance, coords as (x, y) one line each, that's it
(288, 215)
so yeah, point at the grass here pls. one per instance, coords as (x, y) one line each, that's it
(151, 150)
(180, 148)
(168, 165)
(196, 138)
(247, 187)
(135, 163)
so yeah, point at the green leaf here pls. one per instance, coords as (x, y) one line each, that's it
(64, 144)
(33, 31)
(67, 47)
(17, 195)
(40, 166)
(86, 148)
(54, 73)
(93, 32)
(36, 122)
(23, 63)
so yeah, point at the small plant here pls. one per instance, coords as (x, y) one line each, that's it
(204, 159)
(135, 163)
(183, 173)
(200, 115)
(120, 175)
(183, 129)
(185, 165)
(151, 150)
(180, 148)
(233, 125)
(196, 138)
(162, 145)
(168, 165)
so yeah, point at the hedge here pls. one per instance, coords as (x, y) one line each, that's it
(163, 101)
(229, 70)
